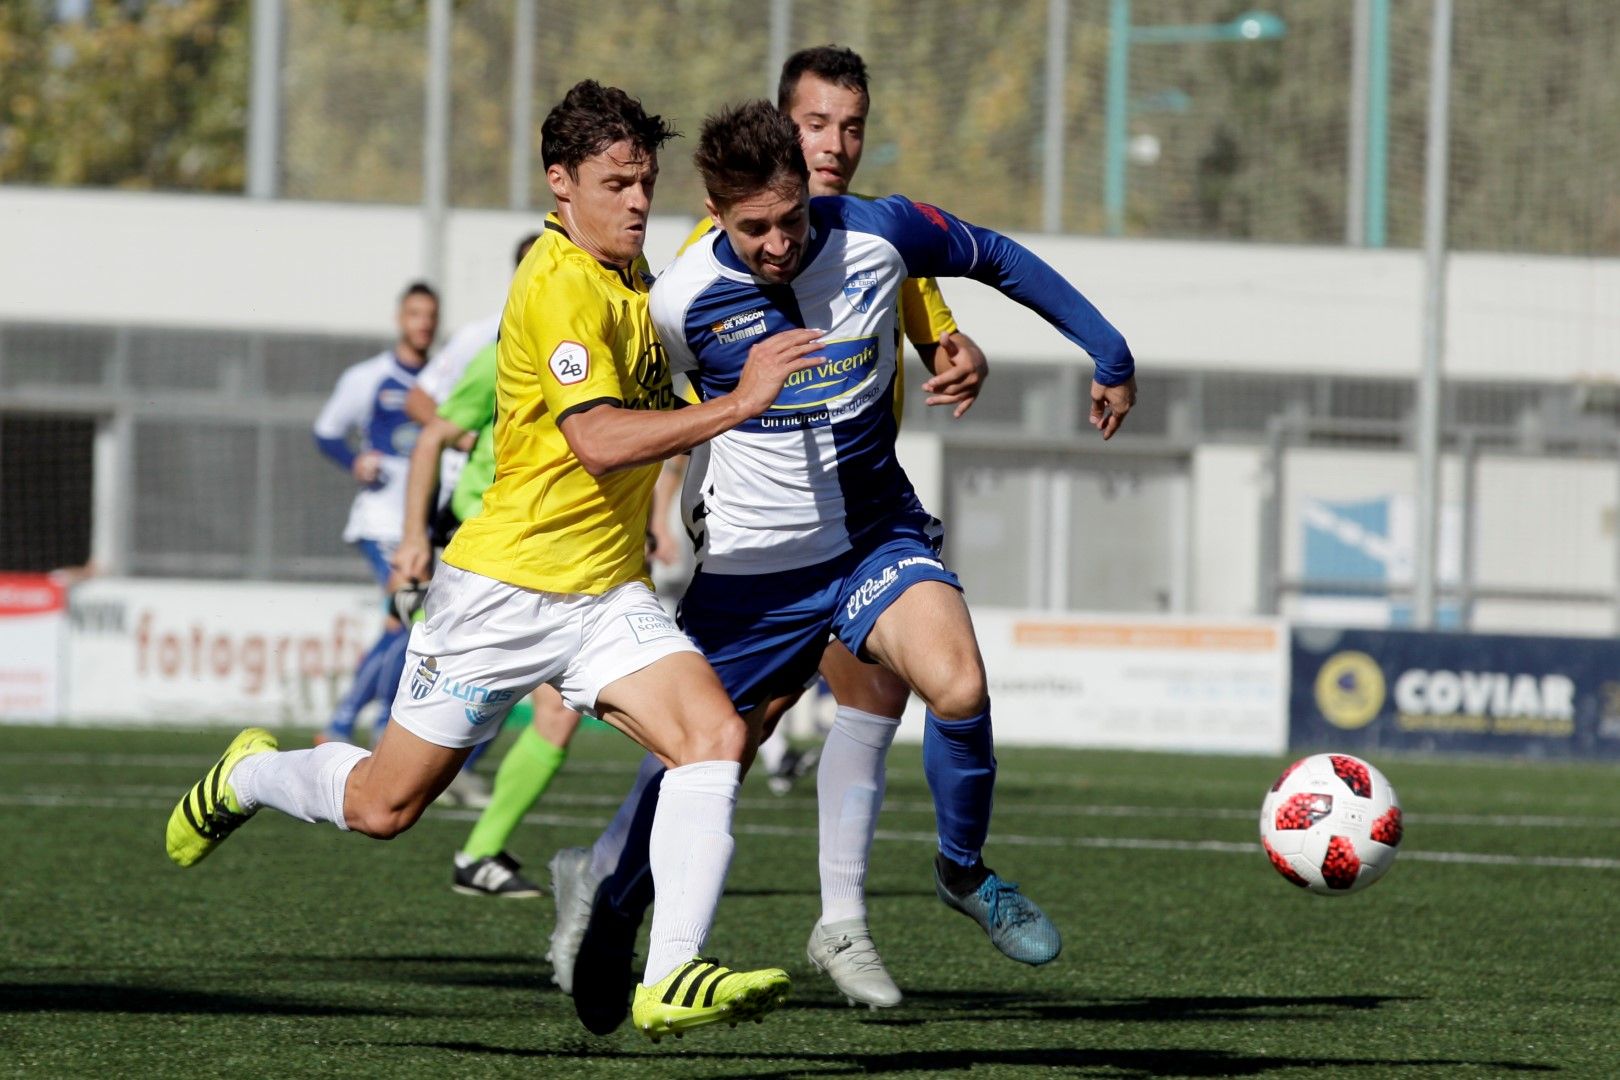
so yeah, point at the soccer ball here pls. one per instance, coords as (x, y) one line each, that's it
(1331, 824)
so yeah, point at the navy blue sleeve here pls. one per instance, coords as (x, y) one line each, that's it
(338, 450)
(935, 243)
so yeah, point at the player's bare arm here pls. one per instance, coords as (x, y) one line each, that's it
(608, 438)
(414, 555)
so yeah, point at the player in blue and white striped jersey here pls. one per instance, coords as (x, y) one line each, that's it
(804, 520)
(364, 428)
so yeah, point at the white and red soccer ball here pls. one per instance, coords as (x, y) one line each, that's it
(1331, 824)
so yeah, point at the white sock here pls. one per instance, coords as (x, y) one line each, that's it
(849, 791)
(691, 851)
(305, 784)
(773, 750)
(610, 845)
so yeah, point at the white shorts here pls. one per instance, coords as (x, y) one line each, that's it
(484, 645)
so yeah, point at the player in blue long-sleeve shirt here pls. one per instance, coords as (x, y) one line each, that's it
(805, 523)
(364, 429)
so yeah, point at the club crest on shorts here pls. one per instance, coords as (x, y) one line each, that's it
(424, 678)
(858, 289)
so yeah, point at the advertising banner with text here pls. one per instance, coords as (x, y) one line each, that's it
(1133, 682)
(234, 653)
(1468, 693)
(32, 627)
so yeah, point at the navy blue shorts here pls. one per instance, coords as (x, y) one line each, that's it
(764, 633)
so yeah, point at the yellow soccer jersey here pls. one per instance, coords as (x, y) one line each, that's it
(924, 315)
(574, 334)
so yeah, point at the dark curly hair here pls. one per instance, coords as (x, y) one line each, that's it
(592, 117)
(747, 148)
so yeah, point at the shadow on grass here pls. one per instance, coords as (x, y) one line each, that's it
(982, 1005)
(163, 1000)
(1165, 1062)
(505, 971)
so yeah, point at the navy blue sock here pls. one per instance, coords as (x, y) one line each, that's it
(368, 675)
(959, 761)
(629, 889)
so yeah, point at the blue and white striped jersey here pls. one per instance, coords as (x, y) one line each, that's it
(794, 486)
(369, 400)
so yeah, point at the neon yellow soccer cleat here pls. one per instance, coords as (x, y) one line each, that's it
(209, 812)
(701, 992)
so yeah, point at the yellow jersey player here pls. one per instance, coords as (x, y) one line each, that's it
(549, 584)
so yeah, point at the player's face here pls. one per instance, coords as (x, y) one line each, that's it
(832, 129)
(418, 321)
(768, 229)
(605, 206)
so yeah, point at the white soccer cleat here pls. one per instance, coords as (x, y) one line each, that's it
(574, 887)
(843, 951)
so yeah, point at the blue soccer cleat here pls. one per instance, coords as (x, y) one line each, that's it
(1014, 923)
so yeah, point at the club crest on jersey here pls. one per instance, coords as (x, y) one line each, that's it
(858, 289)
(422, 682)
(740, 327)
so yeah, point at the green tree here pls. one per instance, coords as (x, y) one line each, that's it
(135, 95)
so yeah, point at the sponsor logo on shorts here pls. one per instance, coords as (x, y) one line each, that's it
(650, 626)
(427, 673)
(482, 704)
(858, 289)
(870, 590)
(874, 587)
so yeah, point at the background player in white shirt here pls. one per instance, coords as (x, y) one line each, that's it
(365, 429)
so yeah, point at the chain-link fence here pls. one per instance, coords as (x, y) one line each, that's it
(1304, 122)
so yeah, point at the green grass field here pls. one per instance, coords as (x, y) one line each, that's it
(1489, 950)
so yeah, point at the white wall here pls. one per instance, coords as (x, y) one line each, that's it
(221, 261)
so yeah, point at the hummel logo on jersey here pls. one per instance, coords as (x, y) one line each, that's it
(740, 327)
(858, 289)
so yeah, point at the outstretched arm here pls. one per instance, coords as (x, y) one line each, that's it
(935, 243)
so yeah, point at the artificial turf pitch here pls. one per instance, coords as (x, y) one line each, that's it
(1489, 950)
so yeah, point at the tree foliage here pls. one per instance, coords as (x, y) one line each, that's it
(136, 95)
(1230, 139)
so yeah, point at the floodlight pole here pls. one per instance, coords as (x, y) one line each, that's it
(435, 143)
(1057, 62)
(521, 137)
(776, 55)
(264, 100)
(1424, 584)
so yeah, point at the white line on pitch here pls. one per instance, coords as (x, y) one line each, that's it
(1011, 806)
(1012, 839)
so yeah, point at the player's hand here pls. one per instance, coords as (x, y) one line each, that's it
(1110, 404)
(468, 440)
(411, 560)
(367, 466)
(959, 373)
(769, 364)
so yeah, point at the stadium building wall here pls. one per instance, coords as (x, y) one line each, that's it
(191, 340)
